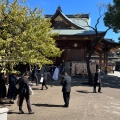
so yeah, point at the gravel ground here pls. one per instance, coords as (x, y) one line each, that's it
(84, 104)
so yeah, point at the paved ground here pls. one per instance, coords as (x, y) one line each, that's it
(84, 104)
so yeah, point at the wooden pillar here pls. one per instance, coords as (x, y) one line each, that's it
(85, 53)
(100, 59)
(65, 52)
(106, 54)
(105, 59)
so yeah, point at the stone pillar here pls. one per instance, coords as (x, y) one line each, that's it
(3, 113)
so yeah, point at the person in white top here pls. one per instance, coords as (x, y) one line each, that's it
(55, 74)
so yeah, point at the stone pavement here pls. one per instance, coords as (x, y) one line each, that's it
(84, 104)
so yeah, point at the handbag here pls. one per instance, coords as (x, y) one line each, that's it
(30, 91)
(41, 80)
(17, 86)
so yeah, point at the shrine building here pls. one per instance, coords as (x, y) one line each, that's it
(75, 38)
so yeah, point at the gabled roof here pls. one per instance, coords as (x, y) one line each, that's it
(75, 20)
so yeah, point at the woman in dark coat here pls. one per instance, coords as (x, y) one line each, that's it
(12, 91)
(2, 87)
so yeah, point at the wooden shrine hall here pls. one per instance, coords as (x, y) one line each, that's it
(75, 39)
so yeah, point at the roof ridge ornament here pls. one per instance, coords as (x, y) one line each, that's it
(59, 8)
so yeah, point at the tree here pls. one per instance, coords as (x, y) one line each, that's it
(98, 37)
(25, 36)
(112, 16)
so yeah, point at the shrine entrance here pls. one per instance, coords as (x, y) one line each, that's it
(76, 40)
(79, 67)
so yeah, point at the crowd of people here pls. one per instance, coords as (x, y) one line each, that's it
(12, 91)
(18, 85)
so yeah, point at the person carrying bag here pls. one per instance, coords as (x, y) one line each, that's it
(24, 92)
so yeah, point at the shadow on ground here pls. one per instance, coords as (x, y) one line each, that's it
(84, 91)
(107, 81)
(11, 112)
(47, 105)
(111, 81)
(5, 104)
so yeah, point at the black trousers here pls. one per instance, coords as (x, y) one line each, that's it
(99, 87)
(36, 79)
(44, 85)
(66, 97)
(27, 101)
(94, 88)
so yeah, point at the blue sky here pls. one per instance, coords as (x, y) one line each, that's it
(75, 7)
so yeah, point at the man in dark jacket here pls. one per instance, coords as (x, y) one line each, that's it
(34, 75)
(97, 81)
(24, 93)
(66, 88)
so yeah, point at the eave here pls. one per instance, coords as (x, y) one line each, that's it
(76, 34)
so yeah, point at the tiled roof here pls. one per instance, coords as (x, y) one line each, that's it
(75, 21)
(72, 16)
(74, 32)
(78, 15)
(78, 20)
(110, 41)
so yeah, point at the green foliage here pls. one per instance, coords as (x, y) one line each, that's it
(112, 16)
(25, 36)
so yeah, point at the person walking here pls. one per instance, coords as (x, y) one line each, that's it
(3, 90)
(66, 88)
(55, 74)
(113, 69)
(97, 81)
(24, 93)
(52, 69)
(34, 75)
(62, 67)
(12, 88)
(44, 80)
